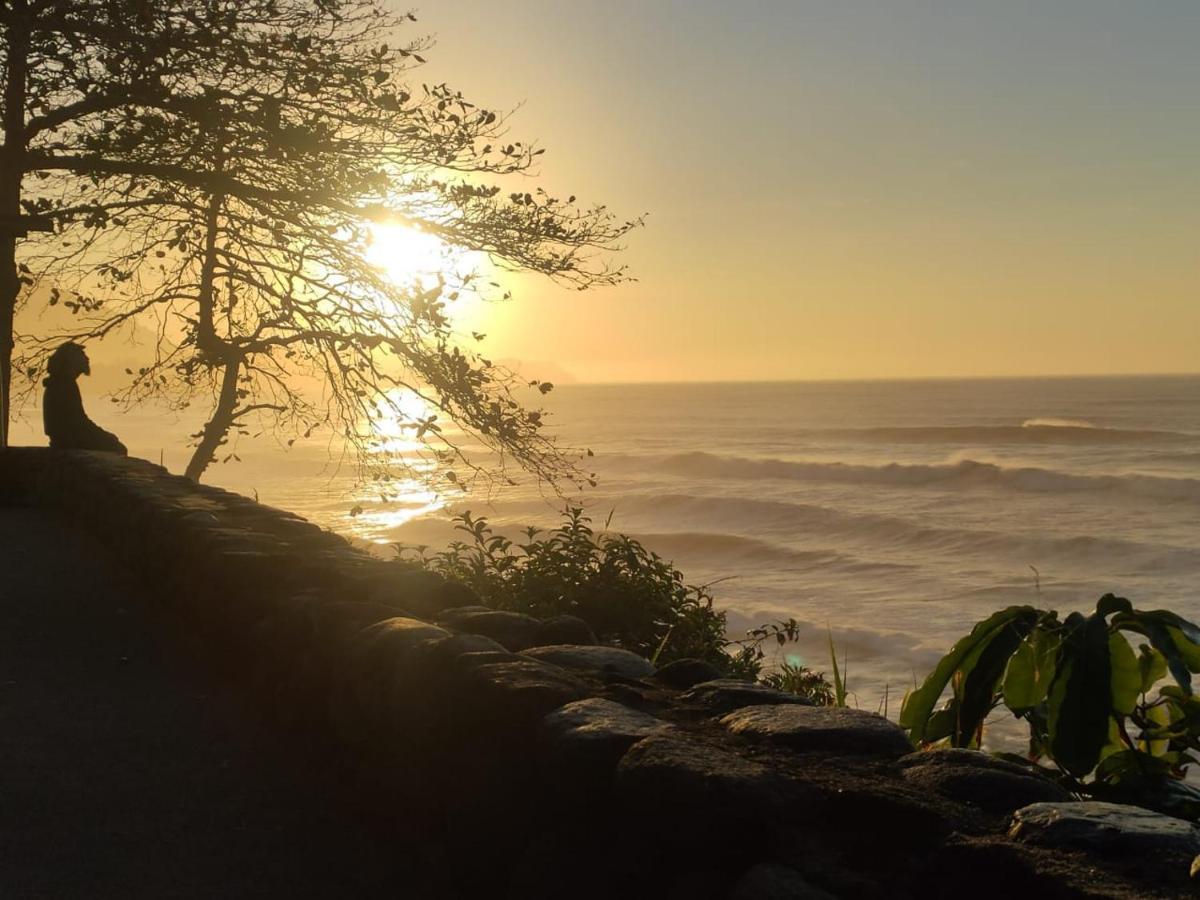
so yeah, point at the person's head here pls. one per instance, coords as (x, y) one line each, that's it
(68, 361)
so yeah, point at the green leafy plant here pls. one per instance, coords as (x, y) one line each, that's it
(629, 595)
(802, 681)
(839, 675)
(1098, 711)
(746, 655)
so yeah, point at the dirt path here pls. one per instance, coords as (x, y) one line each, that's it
(126, 772)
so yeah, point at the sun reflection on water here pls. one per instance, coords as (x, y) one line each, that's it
(413, 257)
(379, 510)
(377, 519)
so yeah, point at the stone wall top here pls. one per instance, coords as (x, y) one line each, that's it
(559, 768)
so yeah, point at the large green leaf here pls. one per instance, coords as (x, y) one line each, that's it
(1155, 738)
(918, 706)
(977, 695)
(1080, 701)
(1152, 665)
(1122, 765)
(940, 725)
(1020, 678)
(1189, 651)
(1030, 671)
(1126, 674)
(1153, 627)
(1170, 619)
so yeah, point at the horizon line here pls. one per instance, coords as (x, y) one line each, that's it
(879, 378)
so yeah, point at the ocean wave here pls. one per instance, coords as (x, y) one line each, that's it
(797, 523)
(964, 474)
(1187, 458)
(736, 548)
(1032, 431)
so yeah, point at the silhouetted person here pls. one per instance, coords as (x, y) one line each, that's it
(66, 424)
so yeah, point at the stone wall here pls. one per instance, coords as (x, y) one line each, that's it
(547, 766)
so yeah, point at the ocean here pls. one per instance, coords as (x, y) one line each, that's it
(891, 515)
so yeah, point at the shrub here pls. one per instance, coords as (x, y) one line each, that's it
(800, 680)
(1097, 710)
(631, 597)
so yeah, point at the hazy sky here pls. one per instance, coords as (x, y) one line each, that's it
(857, 189)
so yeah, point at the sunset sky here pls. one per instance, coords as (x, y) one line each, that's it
(856, 189)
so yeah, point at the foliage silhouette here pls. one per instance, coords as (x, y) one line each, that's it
(228, 209)
(629, 595)
(802, 681)
(1096, 709)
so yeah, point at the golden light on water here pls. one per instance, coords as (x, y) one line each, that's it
(399, 416)
(411, 257)
(377, 519)
(379, 511)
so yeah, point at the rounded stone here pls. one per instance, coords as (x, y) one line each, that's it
(564, 630)
(725, 694)
(970, 776)
(584, 740)
(516, 631)
(696, 790)
(596, 659)
(1103, 828)
(828, 728)
(395, 636)
(451, 615)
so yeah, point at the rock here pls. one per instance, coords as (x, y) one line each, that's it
(696, 790)
(468, 661)
(686, 673)
(725, 694)
(375, 673)
(512, 693)
(516, 631)
(1104, 828)
(830, 728)
(1177, 799)
(625, 694)
(451, 615)
(443, 652)
(382, 646)
(596, 659)
(583, 741)
(564, 630)
(969, 776)
(344, 620)
(772, 881)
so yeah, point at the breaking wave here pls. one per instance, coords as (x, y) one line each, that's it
(734, 548)
(800, 523)
(1032, 431)
(965, 474)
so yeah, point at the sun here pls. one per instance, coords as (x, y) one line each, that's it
(408, 254)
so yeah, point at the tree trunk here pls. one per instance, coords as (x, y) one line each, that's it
(12, 170)
(213, 347)
(220, 423)
(207, 341)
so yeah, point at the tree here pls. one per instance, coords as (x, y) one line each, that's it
(74, 69)
(235, 212)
